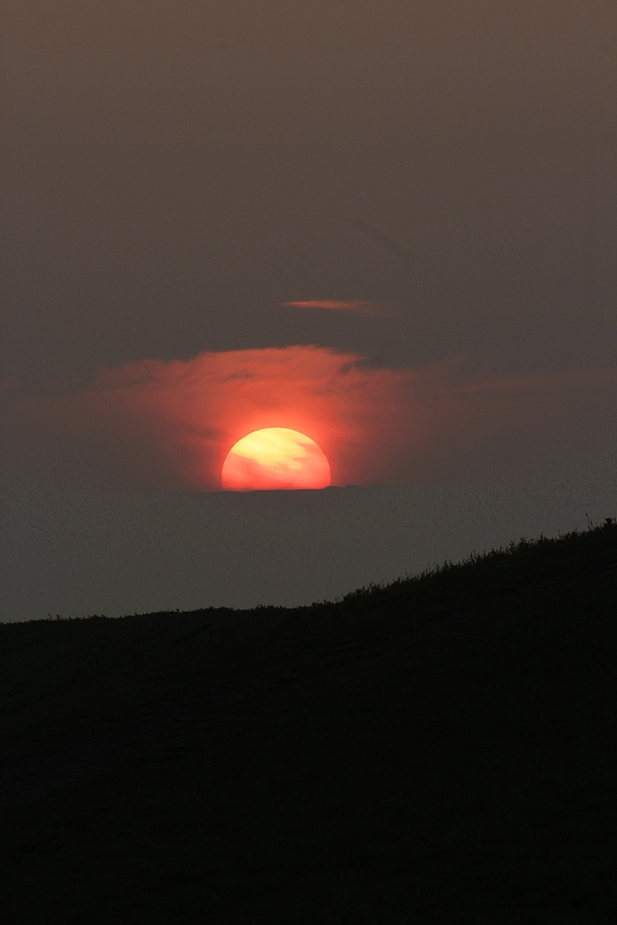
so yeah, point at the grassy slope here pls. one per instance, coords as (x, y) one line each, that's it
(440, 750)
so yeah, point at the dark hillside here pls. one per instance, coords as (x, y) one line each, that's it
(443, 749)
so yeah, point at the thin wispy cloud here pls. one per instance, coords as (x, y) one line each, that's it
(354, 305)
(385, 241)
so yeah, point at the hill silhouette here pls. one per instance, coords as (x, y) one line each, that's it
(441, 749)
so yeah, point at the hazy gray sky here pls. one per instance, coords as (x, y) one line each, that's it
(173, 171)
(391, 226)
(78, 553)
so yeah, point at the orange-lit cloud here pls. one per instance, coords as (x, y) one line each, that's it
(157, 425)
(360, 308)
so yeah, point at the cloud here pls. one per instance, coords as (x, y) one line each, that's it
(159, 425)
(360, 308)
(387, 243)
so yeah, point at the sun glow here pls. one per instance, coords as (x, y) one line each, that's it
(275, 458)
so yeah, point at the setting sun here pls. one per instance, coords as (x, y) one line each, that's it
(275, 458)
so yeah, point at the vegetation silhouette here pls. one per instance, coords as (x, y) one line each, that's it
(440, 749)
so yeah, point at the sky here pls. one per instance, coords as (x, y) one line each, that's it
(390, 227)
